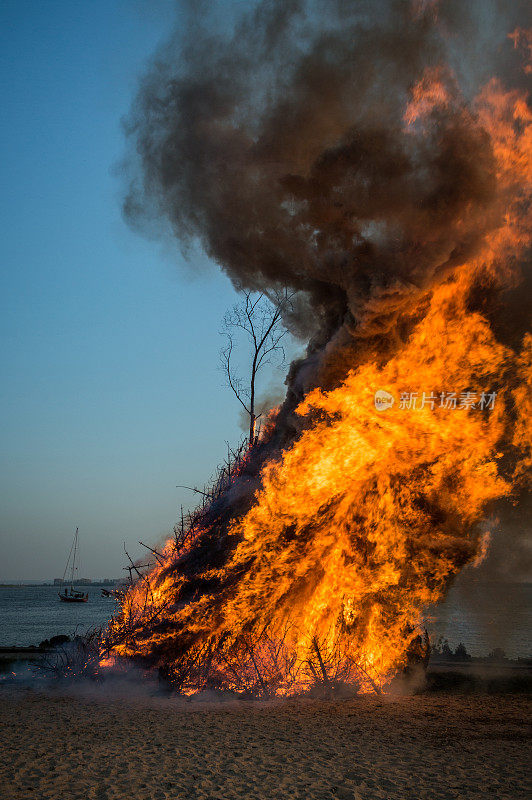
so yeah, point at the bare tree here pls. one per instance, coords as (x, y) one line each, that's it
(260, 318)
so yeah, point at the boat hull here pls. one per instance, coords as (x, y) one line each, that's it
(65, 598)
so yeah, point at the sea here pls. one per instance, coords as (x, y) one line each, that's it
(482, 616)
(31, 614)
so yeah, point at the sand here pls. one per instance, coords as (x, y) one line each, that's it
(65, 746)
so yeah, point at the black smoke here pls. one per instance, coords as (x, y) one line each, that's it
(280, 146)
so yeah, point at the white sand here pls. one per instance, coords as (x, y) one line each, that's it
(65, 747)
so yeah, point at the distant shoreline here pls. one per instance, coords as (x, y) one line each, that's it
(97, 584)
(113, 581)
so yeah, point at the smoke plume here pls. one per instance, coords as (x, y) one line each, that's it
(284, 150)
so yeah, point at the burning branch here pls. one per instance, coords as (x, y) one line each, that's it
(159, 556)
(320, 661)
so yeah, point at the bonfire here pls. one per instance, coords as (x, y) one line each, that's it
(371, 180)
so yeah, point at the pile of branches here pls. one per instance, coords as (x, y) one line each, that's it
(75, 659)
(260, 666)
(267, 667)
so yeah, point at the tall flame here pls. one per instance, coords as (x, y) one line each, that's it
(362, 522)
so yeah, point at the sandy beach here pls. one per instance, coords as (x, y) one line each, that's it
(59, 745)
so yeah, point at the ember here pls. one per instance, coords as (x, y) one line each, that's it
(395, 203)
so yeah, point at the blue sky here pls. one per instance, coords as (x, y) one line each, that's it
(110, 391)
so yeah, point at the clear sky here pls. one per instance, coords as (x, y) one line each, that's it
(110, 389)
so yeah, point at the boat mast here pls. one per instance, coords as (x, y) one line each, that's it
(68, 559)
(74, 561)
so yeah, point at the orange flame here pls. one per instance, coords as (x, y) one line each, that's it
(428, 94)
(365, 519)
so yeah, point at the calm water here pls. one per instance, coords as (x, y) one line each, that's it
(482, 616)
(29, 614)
(486, 615)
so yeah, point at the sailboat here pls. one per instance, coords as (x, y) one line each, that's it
(69, 595)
